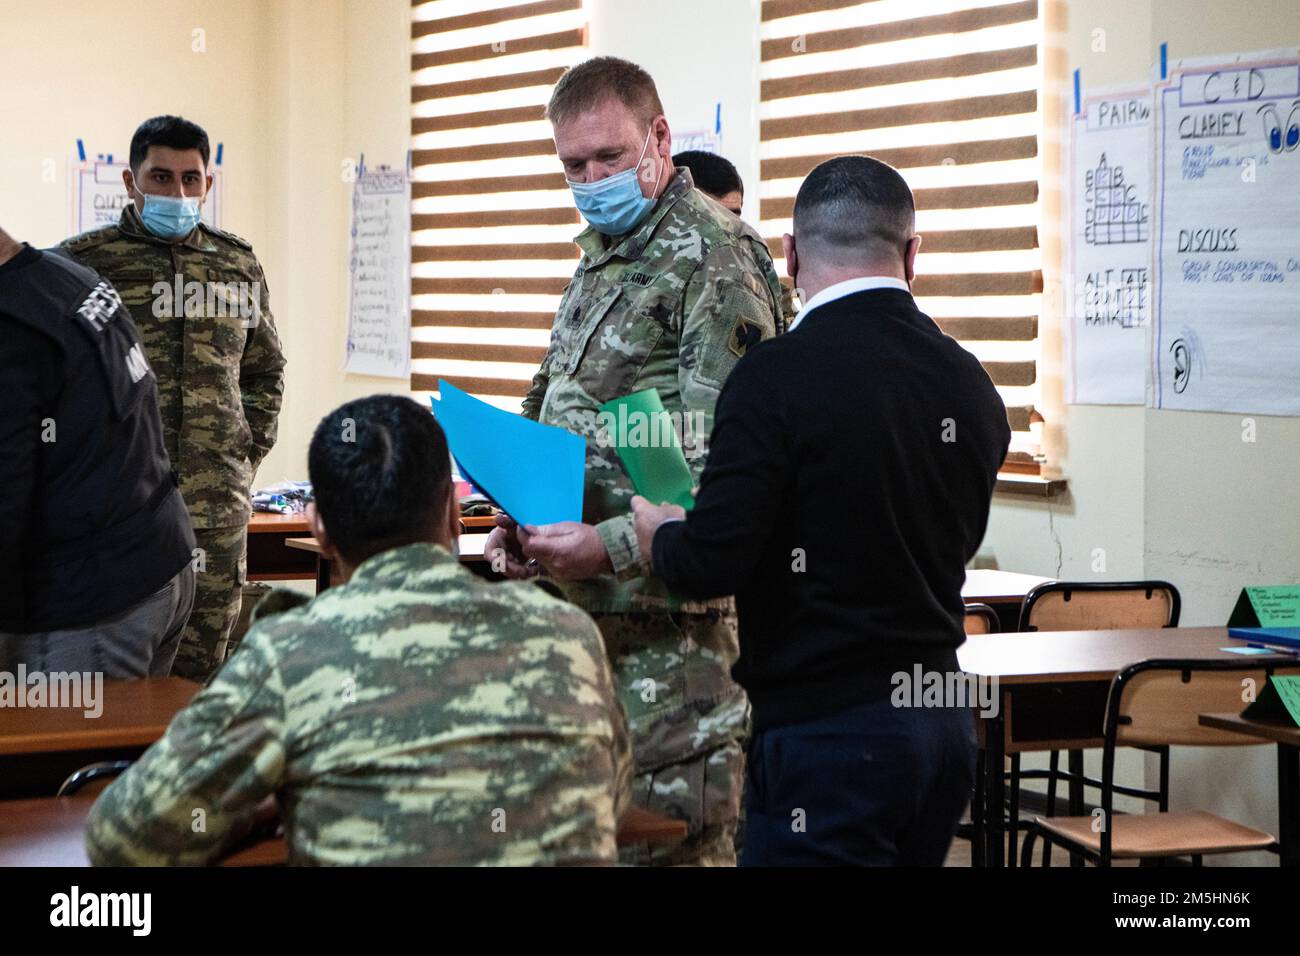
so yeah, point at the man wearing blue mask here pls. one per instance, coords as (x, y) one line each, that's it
(199, 298)
(670, 292)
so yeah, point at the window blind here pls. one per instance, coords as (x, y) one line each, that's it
(946, 91)
(492, 221)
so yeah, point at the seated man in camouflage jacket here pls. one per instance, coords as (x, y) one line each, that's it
(416, 714)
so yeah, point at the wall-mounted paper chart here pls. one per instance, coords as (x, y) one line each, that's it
(379, 271)
(1227, 317)
(1108, 303)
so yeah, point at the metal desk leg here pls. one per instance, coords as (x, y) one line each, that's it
(1075, 764)
(978, 807)
(994, 790)
(1288, 803)
(324, 573)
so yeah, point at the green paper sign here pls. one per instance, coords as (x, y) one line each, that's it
(1278, 700)
(1288, 688)
(1276, 606)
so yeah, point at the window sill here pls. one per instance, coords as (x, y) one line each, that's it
(1029, 486)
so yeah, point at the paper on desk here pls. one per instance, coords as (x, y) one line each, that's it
(533, 472)
(646, 440)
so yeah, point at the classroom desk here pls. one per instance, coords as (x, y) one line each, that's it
(1004, 591)
(644, 826)
(51, 832)
(135, 714)
(269, 559)
(1052, 688)
(471, 553)
(1287, 738)
(272, 558)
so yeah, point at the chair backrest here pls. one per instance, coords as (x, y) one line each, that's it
(1159, 702)
(102, 770)
(981, 619)
(1104, 606)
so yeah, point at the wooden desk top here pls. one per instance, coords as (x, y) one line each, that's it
(471, 546)
(642, 826)
(264, 521)
(984, 586)
(135, 714)
(51, 832)
(1038, 657)
(1279, 732)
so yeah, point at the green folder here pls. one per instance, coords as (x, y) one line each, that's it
(646, 439)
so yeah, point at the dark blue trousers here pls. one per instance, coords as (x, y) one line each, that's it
(876, 785)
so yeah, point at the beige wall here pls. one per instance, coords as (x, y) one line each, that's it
(293, 88)
(338, 87)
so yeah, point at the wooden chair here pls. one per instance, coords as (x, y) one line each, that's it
(1099, 606)
(1157, 703)
(1103, 606)
(981, 619)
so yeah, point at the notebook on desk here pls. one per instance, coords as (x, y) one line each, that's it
(1285, 637)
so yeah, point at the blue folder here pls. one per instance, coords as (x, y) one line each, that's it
(533, 472)
(1284, 636)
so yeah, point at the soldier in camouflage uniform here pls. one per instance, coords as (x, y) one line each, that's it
(199, 299)
(417, 714)
(718, 178)
(671, 303)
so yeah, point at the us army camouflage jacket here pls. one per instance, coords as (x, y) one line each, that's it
(415, 715)
(204, 317)
(671, 306)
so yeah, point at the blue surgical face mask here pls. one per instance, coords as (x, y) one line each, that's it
(168, 217)
(615, 205)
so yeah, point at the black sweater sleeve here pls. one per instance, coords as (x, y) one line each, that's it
(714, 551)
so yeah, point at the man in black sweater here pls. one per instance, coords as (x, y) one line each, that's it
(95, 542)
(866, 403)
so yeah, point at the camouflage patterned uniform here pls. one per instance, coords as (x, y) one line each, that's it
(220, 381)
(788, 311)
(671, 306)
(415, 715)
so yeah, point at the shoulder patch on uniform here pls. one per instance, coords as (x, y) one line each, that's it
(228, 236)
(744, 337)
(88, 240)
